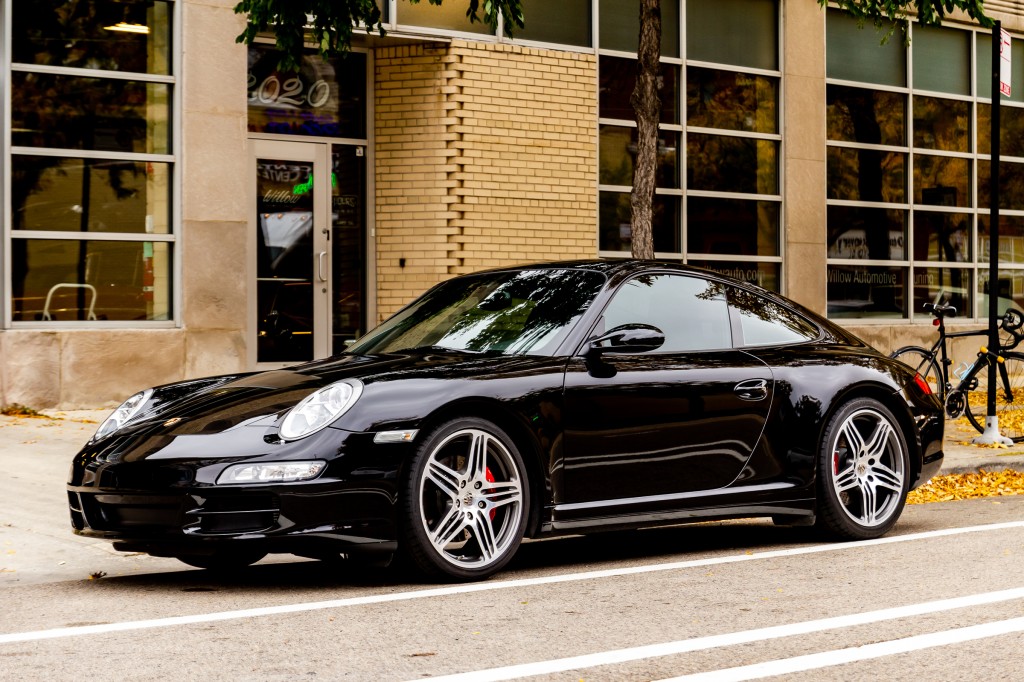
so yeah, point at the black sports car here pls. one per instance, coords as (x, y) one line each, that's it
(523, 402)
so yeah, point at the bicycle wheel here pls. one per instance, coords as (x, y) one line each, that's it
(922, 362)
(1009, 409)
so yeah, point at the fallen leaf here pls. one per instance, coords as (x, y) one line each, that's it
(969, 486)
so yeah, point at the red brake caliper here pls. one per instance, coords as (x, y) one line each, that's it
(490, 479)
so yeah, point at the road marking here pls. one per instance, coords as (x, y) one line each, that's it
(729, 639)
(827, 659)
(172, 621)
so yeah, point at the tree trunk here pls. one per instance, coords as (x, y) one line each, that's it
(647, 105)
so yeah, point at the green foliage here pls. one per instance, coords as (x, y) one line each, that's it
(331, 22)
(896, 12)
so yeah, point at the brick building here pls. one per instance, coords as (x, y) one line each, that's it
(172, 206)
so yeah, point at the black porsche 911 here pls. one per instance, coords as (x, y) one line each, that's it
(531, 401)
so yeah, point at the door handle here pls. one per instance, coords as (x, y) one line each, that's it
(320, 260)
(753, 389)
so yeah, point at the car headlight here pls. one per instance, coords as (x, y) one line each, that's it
(271, 472)
(123, 414)
(320, 409)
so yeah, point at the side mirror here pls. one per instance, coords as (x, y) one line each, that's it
(628, 338)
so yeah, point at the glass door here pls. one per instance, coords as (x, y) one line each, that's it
(292, 256)
(348, 245)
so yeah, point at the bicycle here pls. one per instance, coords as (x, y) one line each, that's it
(970, 395)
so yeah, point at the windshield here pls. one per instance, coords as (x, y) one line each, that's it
(513, 313)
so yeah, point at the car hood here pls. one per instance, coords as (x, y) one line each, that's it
(220, 404)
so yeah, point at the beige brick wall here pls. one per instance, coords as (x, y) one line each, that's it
(486, 155)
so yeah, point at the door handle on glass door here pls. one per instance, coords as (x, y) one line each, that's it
(321, 257)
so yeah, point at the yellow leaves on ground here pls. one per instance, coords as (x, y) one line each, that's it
(968, 486)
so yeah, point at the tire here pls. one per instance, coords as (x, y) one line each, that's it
(223, 559)
(465, 500)
(863, 472)
(924, 364)
(1010, 413)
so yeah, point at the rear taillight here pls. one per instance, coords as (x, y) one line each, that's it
(922, 384)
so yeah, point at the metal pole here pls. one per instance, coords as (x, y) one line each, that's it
(993, 252)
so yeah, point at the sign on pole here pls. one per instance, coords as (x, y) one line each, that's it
(1004, 62)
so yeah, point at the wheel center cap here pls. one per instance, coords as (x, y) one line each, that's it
(468, 500)
(861, 469)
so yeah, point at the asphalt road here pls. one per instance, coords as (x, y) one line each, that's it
(941, 598)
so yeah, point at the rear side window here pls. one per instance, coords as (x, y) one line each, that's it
(766, 323)
(691, 311)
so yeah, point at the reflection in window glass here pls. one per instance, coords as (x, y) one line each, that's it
(722, 163)
(89, 195)
(738, 32)
(1011, 185)
(949, 285)
(942, 124)
(731, 100)
(324, 99)
(618, 156)
(450, 15)
(1011, 133)
(75, 280)
(620, 26)
(867, 116)
(856, 54)
(866, 175)
(1009, 290)
(91, 34)
(566, 22)
(764, 275)
(70, 112)
(1011, 238)
(618, 78)
(942, 60)
(867, 291)
(615, 230)
(690, 311)
(732, 226)
(941, 180)
(766, 323)
(866, 233)
(942, 237)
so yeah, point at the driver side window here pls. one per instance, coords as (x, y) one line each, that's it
(691, 311)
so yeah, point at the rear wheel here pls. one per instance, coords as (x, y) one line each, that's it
(924, 364)
(465, 501)
(863, 472)
(1009, 408)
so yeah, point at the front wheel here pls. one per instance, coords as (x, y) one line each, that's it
(863, 472)
(1009, 399)
(922, 362)
(465, 501)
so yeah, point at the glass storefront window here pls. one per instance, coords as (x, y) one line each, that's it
(450, 16)
(96, 114)
(942, 180)
(874, 291)
(1011, 130)
(732, 226)
(1011, 185)
(866, 233)
(1009, 290)
(721, 163)
(942, 60)
(1011, 238)
(952, 285)
(866, 116)
(984, 68)
(943, 124)
(566, 22)
(866, 175)
(615, 229)
(739, 32)
(112, 35)
(618, 147)
(63, 280)
(856, 54)
(731, 100)
(619, 27)
(618, 78)
(942, 237)
(310, 102)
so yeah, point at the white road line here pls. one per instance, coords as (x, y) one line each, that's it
(729, 639)
(827, 659)
(485, 586)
